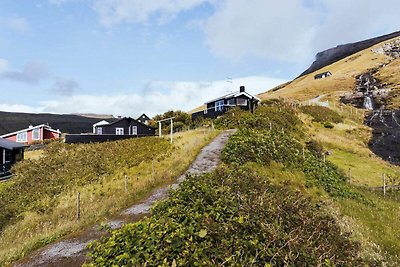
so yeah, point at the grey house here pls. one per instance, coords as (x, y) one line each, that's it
(219, 106)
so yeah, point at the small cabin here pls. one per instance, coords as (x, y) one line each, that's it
(125, 126)
(219, 106)
(33, 134)
(10, 153)
(143, 119)
(323, 75)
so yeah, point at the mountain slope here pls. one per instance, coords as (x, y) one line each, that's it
(10, 122)
(343, 79)
(332, 55)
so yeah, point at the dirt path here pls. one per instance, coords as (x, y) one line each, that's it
(71, 251)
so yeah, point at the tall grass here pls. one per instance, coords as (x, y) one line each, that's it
(100, 199)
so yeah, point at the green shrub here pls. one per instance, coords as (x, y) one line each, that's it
(230, 218)
(63, 167)
(322, 114)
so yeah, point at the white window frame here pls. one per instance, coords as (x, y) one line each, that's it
(241, 102)
(99, 130)
(219, 105)
(206, 111)
(37, 130)
(22, 137)
(134, 130)
(119, 131)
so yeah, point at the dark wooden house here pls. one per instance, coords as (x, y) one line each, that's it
(219, 106)
(323, 75)
(143, 119)
(126, 126)
(10, 153)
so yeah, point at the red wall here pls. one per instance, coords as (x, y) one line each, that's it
(44, 134)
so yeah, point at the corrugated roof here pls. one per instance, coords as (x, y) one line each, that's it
(7, 144)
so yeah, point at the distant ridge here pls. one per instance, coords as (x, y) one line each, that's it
(339, 52)
(67, 123)
(94, 116)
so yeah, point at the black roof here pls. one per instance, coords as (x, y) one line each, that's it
(143, 115)
(7, 144)
(128, 119)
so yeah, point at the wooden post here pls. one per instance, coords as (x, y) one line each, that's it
(126, 183)
(270, 125)
(349, 175)
(159, 129)
(78, 205)
(172, 128)
(283, 131)
(324, 157)
(384, 184)
(304, 156)
(152, 170)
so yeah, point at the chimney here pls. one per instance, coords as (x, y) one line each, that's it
(242, 89)
(119, 117)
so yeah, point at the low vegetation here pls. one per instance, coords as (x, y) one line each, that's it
(270, 204)
(38, 205)
(322, 114)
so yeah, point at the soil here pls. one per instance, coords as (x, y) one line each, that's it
(72, 250)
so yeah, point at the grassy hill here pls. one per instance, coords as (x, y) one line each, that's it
(294, 189)
(343, 79)
(74, 124)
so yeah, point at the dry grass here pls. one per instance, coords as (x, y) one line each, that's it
(100, 200)
(35, 154)
(342, 80)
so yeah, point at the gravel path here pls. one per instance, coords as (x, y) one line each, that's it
(71, 251)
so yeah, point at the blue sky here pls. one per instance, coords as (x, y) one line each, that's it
(126, 57)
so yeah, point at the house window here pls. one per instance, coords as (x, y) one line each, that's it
(36, 134)
(242, 102)
(22, 137)
(99, 130)
(219, 105)
(134, 130)
(119, 131)
(231, 102)
(205, 111)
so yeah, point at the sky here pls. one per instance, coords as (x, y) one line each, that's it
(128, 57)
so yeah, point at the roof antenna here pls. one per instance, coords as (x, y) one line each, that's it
(229, 80)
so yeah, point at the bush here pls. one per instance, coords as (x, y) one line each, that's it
(230, 218)
(37, 183)
(322, 114)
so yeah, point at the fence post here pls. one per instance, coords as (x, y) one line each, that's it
(152, 170)
(78, 205)
(270, 125)
(126, 183)
(324, 157)
(304, 156)
(384, 184)
(349, 175)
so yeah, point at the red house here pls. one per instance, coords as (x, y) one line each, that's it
(33, 134)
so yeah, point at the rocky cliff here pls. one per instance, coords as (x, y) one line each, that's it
(332, 55)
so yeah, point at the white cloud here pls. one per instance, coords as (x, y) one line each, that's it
(293, 31)
(64, 86)
(158, 97)
(33, 72)
(3, 65)
(112, 12)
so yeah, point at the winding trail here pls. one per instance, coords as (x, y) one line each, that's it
(71, 251)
